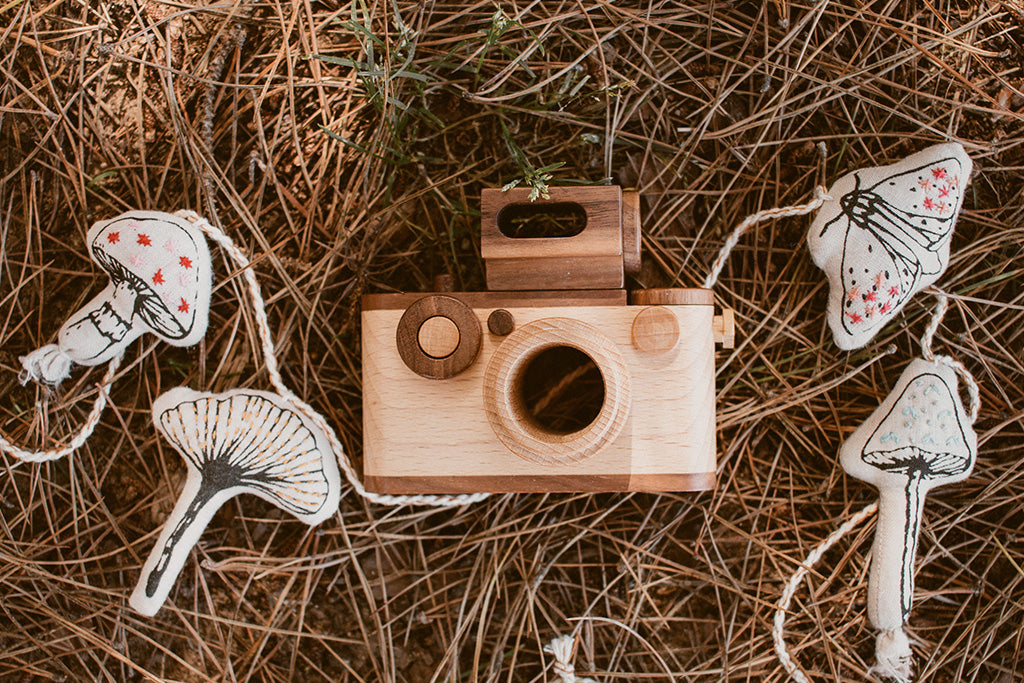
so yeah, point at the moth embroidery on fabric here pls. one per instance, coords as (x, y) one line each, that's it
(885, 236)
(919, 438)
(241, 441)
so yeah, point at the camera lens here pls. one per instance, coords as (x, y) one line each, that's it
(556, 391)
(560, 390)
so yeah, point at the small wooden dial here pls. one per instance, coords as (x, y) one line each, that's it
(425, 332)
(655, 331)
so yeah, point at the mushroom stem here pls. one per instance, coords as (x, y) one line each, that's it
(891, 584)
(195, 508)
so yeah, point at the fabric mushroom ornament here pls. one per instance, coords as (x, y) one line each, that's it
(919, 438)
(884, 235)
(241, 441)
(160, 282)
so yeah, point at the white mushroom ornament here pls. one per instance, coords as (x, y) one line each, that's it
(919, 438)
(240, 441)
(160, 282)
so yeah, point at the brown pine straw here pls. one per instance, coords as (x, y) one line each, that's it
(342, 178)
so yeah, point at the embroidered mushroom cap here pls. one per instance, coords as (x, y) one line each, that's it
(255, 443)
(161, 261)
(241, 441)
(920, 431)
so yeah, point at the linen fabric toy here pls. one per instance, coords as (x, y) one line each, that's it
(919, 438)
(160, 282)
(884, 235)
(240, 441)
(271, 444)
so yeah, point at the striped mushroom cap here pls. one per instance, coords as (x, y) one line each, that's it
(248, 441)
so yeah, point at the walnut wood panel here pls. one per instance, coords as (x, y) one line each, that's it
(542, 483)
(585, 272)
(561, 298)
(679, 296)
(631, 239)
(602, 235)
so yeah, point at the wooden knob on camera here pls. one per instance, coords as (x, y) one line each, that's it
(655, 331)
(723, 326)
(501, 322)
(438, 337)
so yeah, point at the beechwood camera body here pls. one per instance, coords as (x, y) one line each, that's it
(555, 380)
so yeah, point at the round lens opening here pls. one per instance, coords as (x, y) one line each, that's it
(560, 390)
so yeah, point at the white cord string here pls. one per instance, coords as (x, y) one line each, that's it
(562, 650)
(83, 433)
(794, 583)
(273, 372)
(973, 393)
(820, 197)
(46, 365)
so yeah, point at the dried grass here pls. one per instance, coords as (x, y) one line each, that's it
(359, 170)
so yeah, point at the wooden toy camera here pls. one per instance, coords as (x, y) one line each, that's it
(551, 381)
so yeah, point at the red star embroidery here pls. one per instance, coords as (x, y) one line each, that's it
(158, 277)
(871, 296)
(928, 203)
(185, 262)
(183, 306)
(113, 237)
(144, 239)
(894, 291)
(855, 318)
(938, 173)
(944, 192)
(886, 307)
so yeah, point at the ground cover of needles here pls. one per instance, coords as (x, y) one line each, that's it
(345, 145)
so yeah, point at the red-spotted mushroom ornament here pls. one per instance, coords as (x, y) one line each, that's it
(884, 235)
(919, 438)
(160, 282)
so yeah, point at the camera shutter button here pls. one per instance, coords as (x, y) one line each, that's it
(438, 337)
(501, 322)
